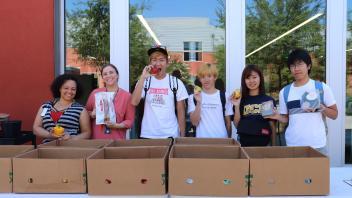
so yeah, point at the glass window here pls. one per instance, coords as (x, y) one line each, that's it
(194, 34)
(274, 28)
(87, 41)
(192, 51)
(348, 116)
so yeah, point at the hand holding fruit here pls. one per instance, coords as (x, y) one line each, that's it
(197, 96)
(58, 131)
(145, 73)
(197, 89)
(236, 94)
(236, 97)
(153, 70)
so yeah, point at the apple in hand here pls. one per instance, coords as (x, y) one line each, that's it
(154, 70)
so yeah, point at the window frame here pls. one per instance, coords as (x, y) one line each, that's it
(193, 51)
(235, 55)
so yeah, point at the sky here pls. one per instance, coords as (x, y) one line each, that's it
(181, 8)
(172, 8)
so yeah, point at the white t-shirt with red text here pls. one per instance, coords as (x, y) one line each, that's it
(159, 120)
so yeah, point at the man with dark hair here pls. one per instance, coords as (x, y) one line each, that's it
(299, 104)
(163, 94)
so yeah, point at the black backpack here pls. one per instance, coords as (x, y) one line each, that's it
(173, 83)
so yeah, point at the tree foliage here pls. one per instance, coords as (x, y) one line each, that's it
(220, 50)
(139, 43)
(89, 31)
(221, 61)
(266, 20)
(176, 64)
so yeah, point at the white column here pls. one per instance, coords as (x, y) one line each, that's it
(336, 76)
(235, 43)
(119, 39)
(60, 49)
(235, 46)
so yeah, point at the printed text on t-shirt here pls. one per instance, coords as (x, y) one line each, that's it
(251, 109)
(163, 91)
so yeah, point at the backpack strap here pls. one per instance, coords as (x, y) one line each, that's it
(223, 102)
(286, 92)
(174, 89)
(319, 87)
(146, 88)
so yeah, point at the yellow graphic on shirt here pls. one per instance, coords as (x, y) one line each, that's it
(252, 109)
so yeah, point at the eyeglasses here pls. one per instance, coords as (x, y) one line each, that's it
(297, 65)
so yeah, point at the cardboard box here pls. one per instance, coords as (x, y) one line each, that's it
(206, 141)
(141, 142)
(128, 171)
(51, 170)
(288, 171)
(93, 143)
(7, 152)
(208, 170)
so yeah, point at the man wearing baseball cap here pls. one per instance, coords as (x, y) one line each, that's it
(163, 95)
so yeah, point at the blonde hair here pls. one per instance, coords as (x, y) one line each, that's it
(157, 54)
(207, 69)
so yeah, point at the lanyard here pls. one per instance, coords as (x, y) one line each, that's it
(113, 99)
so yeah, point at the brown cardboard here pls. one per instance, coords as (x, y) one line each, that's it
(208, 170)
(206, 141)
(51, 170)
(288, 171)
(7, 152)
(141, 142)
(93, 143)
(127, 171)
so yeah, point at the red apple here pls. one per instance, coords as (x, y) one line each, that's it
(154, 70)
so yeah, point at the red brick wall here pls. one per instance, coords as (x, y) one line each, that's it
(26, 57)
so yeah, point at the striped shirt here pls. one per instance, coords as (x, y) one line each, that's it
(69, 119)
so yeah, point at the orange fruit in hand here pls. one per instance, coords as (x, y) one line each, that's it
(236, 94)
(58, 131)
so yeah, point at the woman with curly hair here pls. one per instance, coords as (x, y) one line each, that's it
(63, 112)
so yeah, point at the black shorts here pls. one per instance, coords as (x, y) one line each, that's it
(254, 140)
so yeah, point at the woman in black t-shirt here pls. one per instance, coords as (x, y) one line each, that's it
(252, 128)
